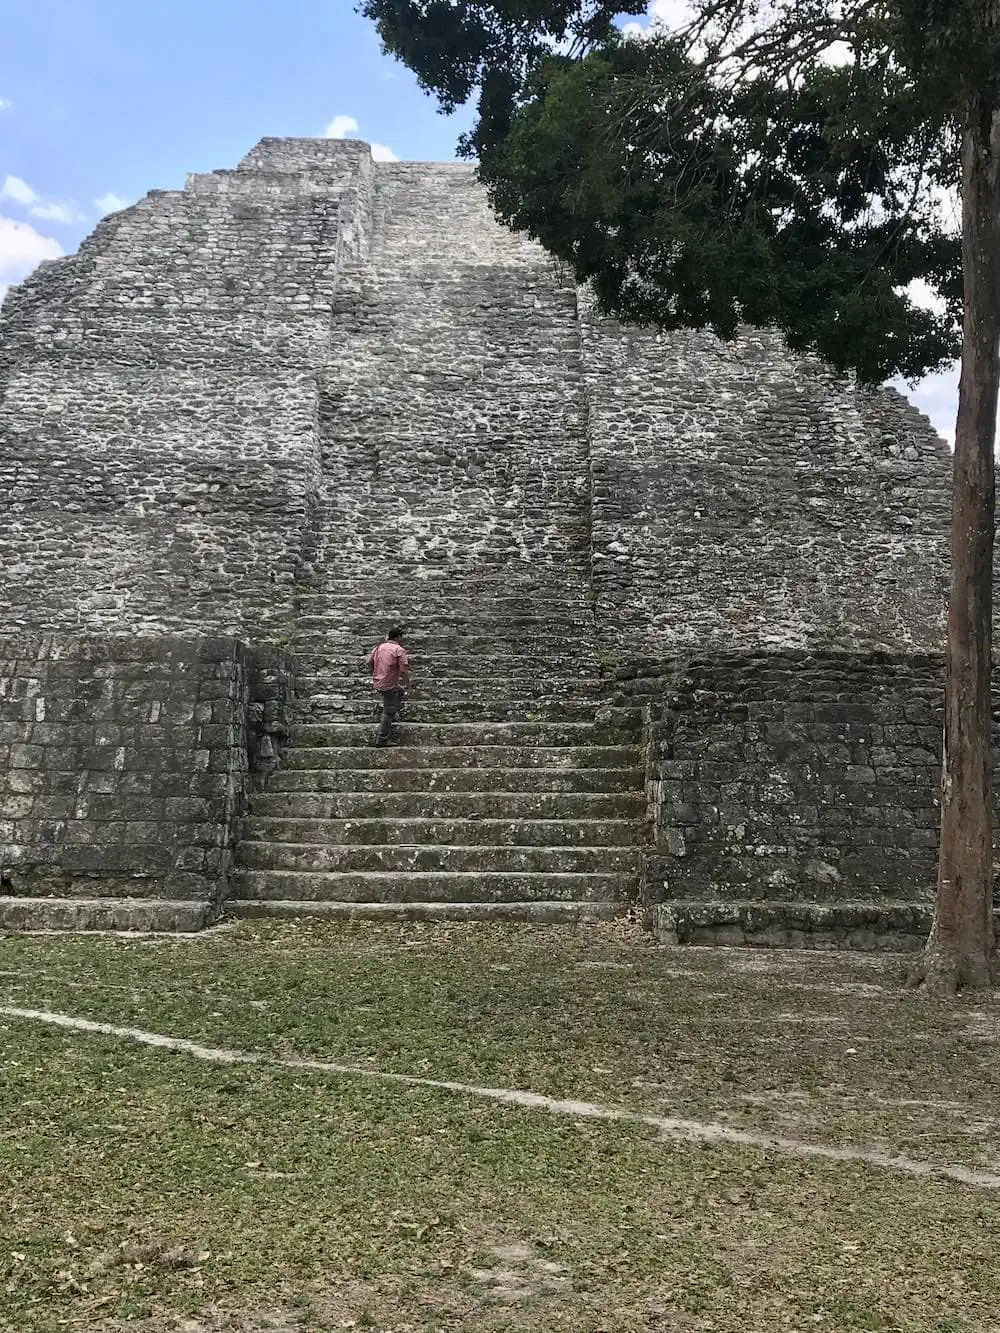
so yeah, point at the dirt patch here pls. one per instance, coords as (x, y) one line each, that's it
(519, 1274)
(503, 1287)
(449, 1301)
(378, 1307)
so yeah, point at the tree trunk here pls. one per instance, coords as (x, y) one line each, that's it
(961, 950)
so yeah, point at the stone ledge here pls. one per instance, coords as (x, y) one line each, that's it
(548, 913)
(883, 927)
(116, 914)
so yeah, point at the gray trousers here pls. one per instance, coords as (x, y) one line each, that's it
(392, 702)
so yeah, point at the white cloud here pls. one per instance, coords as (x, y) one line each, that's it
(53, 212)
(18, 191)
(922, 294)
(668, 14)
(671, 13)
(346, 127)
(5, 105)
(21, 249)
(840, 53)
(340, 127)
(110, 203)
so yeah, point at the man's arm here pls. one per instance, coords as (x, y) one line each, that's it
(371, 662)
(404, 667)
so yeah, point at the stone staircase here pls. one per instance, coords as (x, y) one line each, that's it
(505, 796)
(455, 502)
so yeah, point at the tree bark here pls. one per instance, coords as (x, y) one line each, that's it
(961, 950)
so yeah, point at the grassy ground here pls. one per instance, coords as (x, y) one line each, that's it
(148, 1191)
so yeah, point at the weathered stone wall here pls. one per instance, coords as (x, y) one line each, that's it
(315, 351)
(795, 775)
(776, 541)
(159, 456)
(454, 454)
(744, 498)
(123, 764)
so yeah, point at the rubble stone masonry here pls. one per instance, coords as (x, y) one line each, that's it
(251, 419)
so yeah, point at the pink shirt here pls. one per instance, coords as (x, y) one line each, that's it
(387, 663)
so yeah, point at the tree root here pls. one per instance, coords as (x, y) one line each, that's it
(942, 973)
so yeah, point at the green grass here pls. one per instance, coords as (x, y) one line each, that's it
(146, 1188)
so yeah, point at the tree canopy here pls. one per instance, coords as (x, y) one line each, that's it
(707, 178)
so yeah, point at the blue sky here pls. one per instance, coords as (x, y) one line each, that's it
(102, 100)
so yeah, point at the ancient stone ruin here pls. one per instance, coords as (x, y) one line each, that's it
(674, 607)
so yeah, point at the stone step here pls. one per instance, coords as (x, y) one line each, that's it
(426, 669)
(449, 805)
(443, 663)
(380, 605)
(335, 563)
(470, 624)
(456, 779)
(541, 913)
(470, 627)
(536, 641)
(540, 641)
(455, 832)
(420, 735)
(363, 707)
(562, 758)
(378, 886)
(82, 888)
(127, 914)
(513, 688)
(403, 858)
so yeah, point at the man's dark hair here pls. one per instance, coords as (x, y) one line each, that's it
(395, 633)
